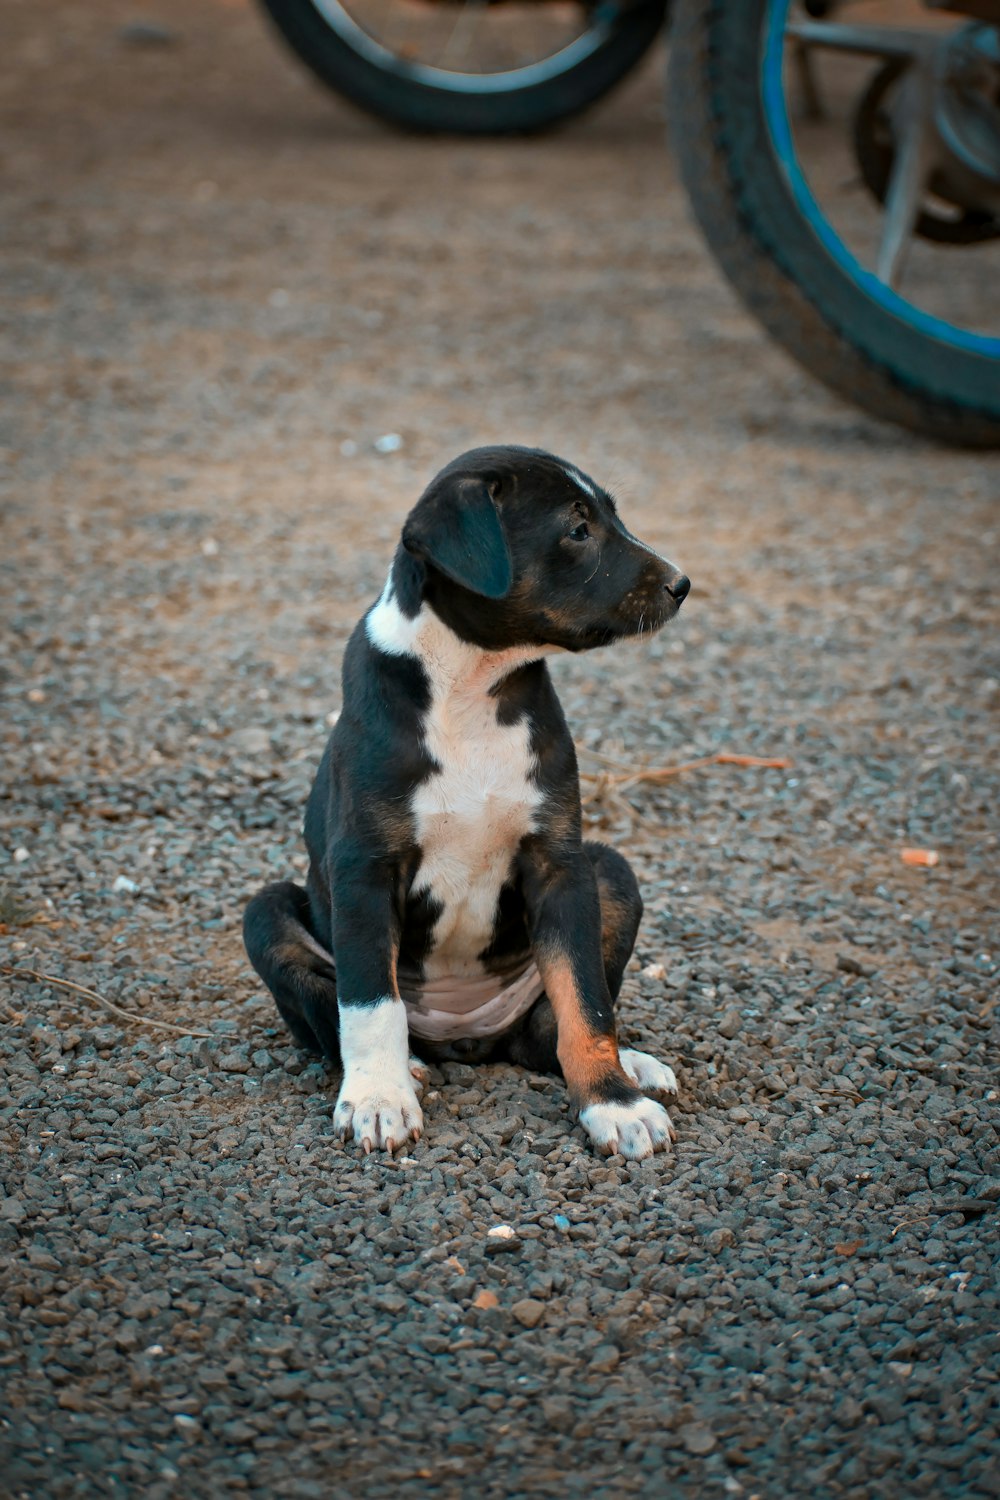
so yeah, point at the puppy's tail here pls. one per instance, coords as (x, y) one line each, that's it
(297, 969)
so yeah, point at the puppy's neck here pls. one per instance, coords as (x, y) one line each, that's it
(403, 623)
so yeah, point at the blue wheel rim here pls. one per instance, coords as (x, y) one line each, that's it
(780, 130)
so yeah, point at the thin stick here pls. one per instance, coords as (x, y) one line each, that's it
(606, 760)
(663, 773)
(81, 989)
(907, 1224)
(776, 762)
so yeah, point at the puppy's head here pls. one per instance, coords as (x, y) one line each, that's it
(519, 548)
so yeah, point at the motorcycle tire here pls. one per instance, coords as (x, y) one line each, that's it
(433, 100)
(857, 338)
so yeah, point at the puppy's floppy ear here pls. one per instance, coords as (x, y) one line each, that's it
(456, 528)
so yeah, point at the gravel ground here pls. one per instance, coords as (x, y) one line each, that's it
(222, 289)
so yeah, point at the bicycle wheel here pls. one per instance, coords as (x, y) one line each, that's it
(845, 225)
(476, 67)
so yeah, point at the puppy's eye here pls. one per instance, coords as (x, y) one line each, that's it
(580, 533)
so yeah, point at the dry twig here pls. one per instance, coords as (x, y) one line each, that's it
(631, 776)
(81, 989)
(907, 1224)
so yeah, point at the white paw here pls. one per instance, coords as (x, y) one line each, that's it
(377, 1103)
(632, 1130)
(420, 1073)
(648, 1073)
(379, 1116)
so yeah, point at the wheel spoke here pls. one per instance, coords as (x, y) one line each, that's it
(812, 100)
(455, 48)
(910, 171)
(869, 41)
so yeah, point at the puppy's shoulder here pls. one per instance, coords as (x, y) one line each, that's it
(379, 684)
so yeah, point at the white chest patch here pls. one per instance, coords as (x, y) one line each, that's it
(471, 814)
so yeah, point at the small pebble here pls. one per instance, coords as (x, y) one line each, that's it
(529, 1312)
(697, 1438)
(147, 34)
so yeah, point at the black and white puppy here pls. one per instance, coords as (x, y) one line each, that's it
(451, 897)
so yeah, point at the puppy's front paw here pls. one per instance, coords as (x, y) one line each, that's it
(648, 1073)
(380, 1116)
(634, 1130)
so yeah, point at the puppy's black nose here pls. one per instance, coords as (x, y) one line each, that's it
(679, 587)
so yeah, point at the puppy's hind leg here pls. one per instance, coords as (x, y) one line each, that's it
(296, 968)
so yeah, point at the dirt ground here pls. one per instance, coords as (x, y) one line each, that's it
(221, 287)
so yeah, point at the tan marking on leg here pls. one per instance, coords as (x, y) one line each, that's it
(586, 1057)
(613, 914)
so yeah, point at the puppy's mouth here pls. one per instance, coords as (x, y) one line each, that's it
(641, 626)
(652, 610)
